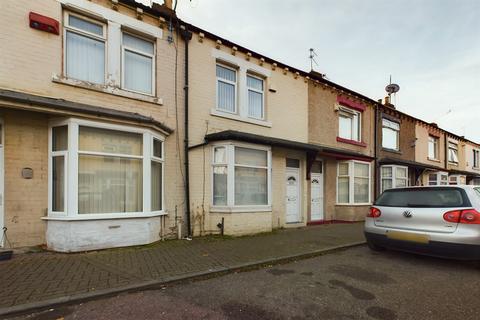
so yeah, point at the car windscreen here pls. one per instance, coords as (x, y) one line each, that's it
(424, 198)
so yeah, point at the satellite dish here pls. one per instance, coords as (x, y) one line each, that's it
(392, 88)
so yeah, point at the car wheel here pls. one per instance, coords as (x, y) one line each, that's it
(374, 247)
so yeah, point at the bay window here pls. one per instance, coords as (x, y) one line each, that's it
(438, 179)
(111, 170)
(349, 124)
(255, 96)
(390, 134)
(393, 177)
(138, 64)
(84, 48)
(241, 176)
(353, 182)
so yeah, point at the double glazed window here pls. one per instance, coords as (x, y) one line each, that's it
(109, 170)
(86, 59)
(349, 124)
(390, 134)
(452, 152)
(138, 64)
(433, 147)
(84, 49)
(240, 176)
(353, 182)
(438, 179)
(228, 92)
(393, 177)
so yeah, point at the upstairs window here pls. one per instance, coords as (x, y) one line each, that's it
(255, 97)
(138, 64)
(476, 158)
(226, 89)
(432, 147)
(349, 124)
(452, 152)
(84, 49)
(390, 134)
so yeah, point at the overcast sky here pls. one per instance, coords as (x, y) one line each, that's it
(430, 47)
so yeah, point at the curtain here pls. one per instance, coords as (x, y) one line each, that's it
(343, 190)
(156, 176)
(250, 186)
(138, 72)
(345, 127)
(110, 141)
(220, 185)
(58, 183)
(250, 157)
(361, 183)
(85, 58)
(255, 97)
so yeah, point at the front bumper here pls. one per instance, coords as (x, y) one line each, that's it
(433, 248)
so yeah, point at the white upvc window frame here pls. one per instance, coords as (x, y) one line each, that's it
(438, 178)
(51, 155)
(434, 142)
(455, 179)
(394, 177)
(234, 83)
(346, 112)
(142, 53)
(476, 159)
(351, 183)
(72, 165)
(262, 92)
(230, 164)
(161, 160)
(103, 38)
(388, 124)
(453, 150)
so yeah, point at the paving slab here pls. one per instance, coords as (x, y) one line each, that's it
(38, 280)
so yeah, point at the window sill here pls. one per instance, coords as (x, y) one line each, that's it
(356, 143)
(107, 89)
(432, 159)
(82, 217)
(353, 204)
(230, 116)
(453, 163)
(391, 150)
(241, 209)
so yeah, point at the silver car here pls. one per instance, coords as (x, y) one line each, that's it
(440, 221)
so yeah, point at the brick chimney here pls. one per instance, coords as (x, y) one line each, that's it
(387, 103)
(168, 4)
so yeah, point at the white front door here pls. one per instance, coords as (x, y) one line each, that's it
(2, 200)
(292, 195)
(316, 196)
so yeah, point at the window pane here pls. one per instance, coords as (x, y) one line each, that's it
(361, 170)
(343, 169)
(389, 139)
(361, 190)
(250, 186)
(85, 58)
(138, 72)
(85, 25)
(387, 171)
(316, 167)
(58, 183)
(138, 43)
(343, 190)
(226, 96)
(250, 157)
(255, 104)
(220, 155)
(220, 186)
(156, 176)
(227, 74)
(401, 183)
(293, 163)
(345, 127)
(157, 148)
(401, 172)
(110, 141)
(386, 184)
(255, 83)
(109, 184)
(60, 138)
(355, 128)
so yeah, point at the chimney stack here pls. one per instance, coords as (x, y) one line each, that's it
(387, 103)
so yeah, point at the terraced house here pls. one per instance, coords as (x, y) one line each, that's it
(123, 125)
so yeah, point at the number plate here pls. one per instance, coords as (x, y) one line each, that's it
(407, 236)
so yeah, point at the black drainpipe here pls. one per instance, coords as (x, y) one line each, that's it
(187, 36)
(375, 139)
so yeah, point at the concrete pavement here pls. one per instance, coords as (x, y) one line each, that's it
(38, 280)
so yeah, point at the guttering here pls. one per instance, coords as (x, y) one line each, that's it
(187, 36)
(55, 105)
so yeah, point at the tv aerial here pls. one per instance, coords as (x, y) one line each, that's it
(312, 56)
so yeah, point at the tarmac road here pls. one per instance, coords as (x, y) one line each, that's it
(350, 284)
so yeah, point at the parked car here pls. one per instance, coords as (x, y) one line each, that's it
(441, 221)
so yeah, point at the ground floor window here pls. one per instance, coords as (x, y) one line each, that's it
(353, 182)
(99, 168)
(438, 179)
(393, 177)
(241, 175)
(456, 179)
